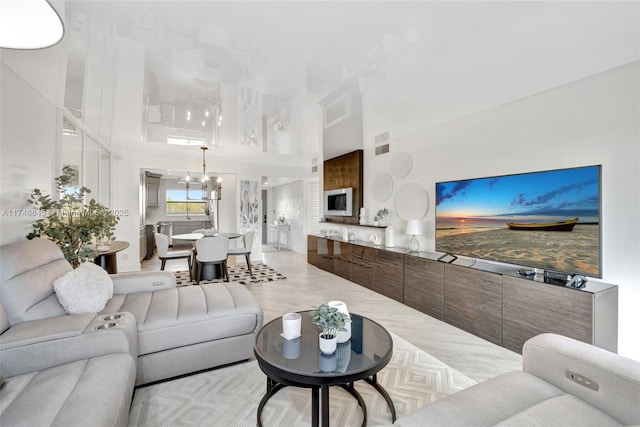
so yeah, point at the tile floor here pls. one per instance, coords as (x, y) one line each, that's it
(307, 286)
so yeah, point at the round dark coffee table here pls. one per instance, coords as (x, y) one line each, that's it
(299, 363)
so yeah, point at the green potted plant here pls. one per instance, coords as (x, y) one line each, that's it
(104, 223)
(331, 321)
(381, 216)
(69, 222)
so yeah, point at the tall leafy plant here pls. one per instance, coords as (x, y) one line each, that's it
(69, 222)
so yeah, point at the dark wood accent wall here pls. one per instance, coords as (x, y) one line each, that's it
(343, 172)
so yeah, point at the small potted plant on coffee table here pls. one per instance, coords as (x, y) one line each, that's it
(331, 321)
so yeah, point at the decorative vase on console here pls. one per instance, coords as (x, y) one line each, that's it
(388, 237)
(345, 335)
(381, 217)
(363, 216)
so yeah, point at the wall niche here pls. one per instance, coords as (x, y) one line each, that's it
(343, 172)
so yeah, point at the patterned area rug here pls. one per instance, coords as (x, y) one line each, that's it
(230, 396)
(240, 274)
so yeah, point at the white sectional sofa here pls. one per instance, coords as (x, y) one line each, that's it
(563, 382)
(81, 369)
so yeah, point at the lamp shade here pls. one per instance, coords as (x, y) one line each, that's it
(414, 227)
(29, 24)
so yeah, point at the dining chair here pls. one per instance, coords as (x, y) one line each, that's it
(212, 250)
(162, 243)
(247, 240)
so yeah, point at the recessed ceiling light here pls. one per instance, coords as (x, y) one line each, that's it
(29, 24)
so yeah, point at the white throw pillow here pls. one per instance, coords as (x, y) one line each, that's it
(85, 289)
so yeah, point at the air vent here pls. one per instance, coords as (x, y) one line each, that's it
(383, 137)
(382, 149)
(314, 169)
(314, 161)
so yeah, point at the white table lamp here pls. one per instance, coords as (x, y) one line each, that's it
(414, 228)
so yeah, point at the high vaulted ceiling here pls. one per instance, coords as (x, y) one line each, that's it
(479, 53)
(192, 45)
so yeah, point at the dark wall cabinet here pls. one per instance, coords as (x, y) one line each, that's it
(152, 189)
(585, 316)
(424, 286)
(498, 307)
(473, 302)
(363, 260)
(325, 254)
(312, 250)
(389, 274)
(342, 255)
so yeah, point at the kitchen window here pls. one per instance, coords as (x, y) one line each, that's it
(179, 204)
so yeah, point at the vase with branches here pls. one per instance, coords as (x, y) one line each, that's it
(381, 216)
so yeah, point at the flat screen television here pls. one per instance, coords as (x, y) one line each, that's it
(548, 220)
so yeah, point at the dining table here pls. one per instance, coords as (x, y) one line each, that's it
(209, 271)
(192, 237)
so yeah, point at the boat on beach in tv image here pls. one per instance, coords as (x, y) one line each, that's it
(548, 220)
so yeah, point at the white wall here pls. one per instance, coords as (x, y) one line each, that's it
(590, 121)
(27, 152)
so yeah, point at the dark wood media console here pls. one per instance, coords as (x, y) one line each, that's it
(489, 300)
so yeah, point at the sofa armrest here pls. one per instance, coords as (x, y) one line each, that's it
(129, 283)
(39, 344)
(605, 380)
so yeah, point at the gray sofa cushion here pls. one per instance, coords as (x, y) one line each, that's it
(513, 399)
(92, 392)
(187, 315)
(566, 410)
(39, 344)
(27, 271)
(4, 321)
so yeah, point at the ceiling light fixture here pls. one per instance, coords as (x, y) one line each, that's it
(211, 189)
(29, 24)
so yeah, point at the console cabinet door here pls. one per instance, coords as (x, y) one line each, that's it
(424, 285)
(473, 301)
(325, 254)
(312, 250)
(342, 259)
(531, 308)
(363, 260)
(389, 274)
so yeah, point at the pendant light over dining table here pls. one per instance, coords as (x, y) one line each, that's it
(210, 187)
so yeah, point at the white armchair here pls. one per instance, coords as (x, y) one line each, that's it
(563, 382)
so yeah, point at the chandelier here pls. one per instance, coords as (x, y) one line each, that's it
(210, 187)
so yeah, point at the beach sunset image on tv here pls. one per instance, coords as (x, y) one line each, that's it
(549, 220)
